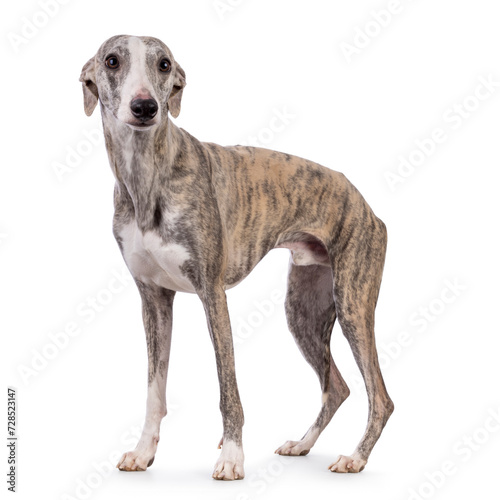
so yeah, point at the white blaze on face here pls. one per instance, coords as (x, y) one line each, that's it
(136, 84)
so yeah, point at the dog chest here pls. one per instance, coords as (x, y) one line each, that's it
(154, 261)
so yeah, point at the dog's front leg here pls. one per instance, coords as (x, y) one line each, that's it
(230, 463)
(157, 316)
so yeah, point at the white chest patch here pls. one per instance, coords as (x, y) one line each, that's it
(151, 260)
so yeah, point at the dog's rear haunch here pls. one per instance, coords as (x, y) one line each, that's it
(197, 217)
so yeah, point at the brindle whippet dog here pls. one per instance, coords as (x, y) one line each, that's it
(197, 217)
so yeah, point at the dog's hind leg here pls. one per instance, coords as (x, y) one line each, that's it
(157, 316)
(357, 275)
(310, 312)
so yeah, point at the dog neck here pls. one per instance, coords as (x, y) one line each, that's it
(140, 159)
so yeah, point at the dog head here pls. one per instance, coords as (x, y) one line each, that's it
(136, 79)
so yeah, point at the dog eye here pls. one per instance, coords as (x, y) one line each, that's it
(112, 62)
(165, 65)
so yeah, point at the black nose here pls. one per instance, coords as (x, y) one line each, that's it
(144, 109)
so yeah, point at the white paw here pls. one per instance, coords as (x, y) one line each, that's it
(294, 448)
(136, 460)
(230, 463)
(348, 464)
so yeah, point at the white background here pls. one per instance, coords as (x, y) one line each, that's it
(56, 249)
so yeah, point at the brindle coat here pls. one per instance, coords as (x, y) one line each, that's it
(197, 217)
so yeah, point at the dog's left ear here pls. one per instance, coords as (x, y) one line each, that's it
(174, 101)
(90, 93)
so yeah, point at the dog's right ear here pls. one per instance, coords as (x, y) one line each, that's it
(90, 93)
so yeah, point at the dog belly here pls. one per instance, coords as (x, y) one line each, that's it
(154, 261)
